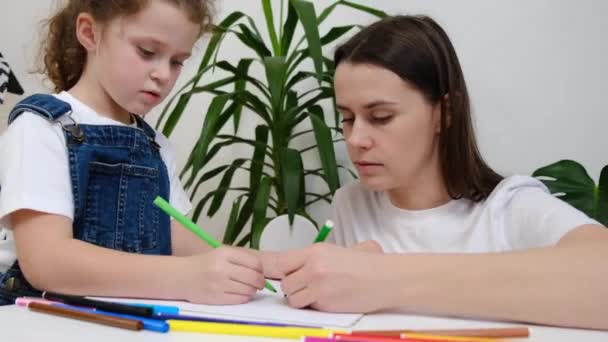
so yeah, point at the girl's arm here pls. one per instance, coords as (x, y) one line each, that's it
(52, 259)
(184, 242)
(564, 285)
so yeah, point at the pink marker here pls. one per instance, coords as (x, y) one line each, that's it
(24, 301)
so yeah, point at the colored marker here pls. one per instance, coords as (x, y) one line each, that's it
(99, 304)
(248, 330)
(148, 323)
(92, 317)
(226, 320)
(327, 227)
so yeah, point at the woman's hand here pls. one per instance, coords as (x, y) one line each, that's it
(336, 279)
(225, 275)
(272, 267)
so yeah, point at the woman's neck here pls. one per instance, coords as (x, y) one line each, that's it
(425, 190)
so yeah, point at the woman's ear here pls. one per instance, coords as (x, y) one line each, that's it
(87, 31)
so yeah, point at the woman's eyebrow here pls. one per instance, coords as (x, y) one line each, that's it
(369, 105)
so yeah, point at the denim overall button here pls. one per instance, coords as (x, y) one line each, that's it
(12, 284)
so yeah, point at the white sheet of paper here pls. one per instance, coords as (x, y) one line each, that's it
(265, 307)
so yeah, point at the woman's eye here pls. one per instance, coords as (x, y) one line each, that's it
(382, 119)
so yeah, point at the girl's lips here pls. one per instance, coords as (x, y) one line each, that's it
(151, 96)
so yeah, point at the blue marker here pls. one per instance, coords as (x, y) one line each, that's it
(159, 309)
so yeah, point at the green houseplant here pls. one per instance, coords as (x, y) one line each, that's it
(569, 181)
(277, 174)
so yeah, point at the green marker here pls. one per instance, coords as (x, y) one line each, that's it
(167, 208)
(324, 231)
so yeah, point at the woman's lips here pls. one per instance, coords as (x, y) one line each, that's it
(366, 167)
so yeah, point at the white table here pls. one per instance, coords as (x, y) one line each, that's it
(21, 325)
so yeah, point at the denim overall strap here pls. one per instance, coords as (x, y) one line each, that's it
(47, 106)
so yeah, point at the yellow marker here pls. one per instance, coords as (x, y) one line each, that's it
(248, 330)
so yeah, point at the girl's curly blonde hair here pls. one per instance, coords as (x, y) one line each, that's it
(62, 58)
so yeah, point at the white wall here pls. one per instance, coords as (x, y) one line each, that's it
(536, 72)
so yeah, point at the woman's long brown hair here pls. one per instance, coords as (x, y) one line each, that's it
(418, 50)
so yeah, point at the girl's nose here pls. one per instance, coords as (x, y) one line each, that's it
(161, 72)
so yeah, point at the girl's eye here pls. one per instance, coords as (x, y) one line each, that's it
(177, 63)
(347, 120)
(145, 53)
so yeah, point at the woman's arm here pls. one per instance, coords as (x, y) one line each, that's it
(564, 285)
(52, 259)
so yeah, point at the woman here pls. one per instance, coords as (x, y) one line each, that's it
(459, 239)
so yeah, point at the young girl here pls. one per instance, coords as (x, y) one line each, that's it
(459, 238)
(79, 170)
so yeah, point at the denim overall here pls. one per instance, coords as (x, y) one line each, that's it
(116, 172)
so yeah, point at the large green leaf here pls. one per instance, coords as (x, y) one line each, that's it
(260, 207)
(327, 154)
(207, 176)
(325, 92)
(602, 205)
(270, 25)
(231, 227)
(201, 204)
(241, 74)
(570, 181)
(275, 74)
(219, 32)
(249, 38)
(288, 29)
(369, 10)
(208, 131)
(224, 183)
(308, 18)
(239, 86)
(181, 105)
(243, 218)
(335, 33)
(292, 174)
(259, 155)
(212, 47)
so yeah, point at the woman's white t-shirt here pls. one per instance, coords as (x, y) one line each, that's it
(520, 213)
(34, 165)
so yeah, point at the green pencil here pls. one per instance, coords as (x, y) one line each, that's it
(324, 231)
(186, 222)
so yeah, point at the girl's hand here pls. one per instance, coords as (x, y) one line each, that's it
(225, 275)
(336, 279)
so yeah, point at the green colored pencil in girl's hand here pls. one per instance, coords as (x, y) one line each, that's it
(186, 222)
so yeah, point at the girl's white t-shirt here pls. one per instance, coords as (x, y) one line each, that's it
(519, 214)
(34, 166)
